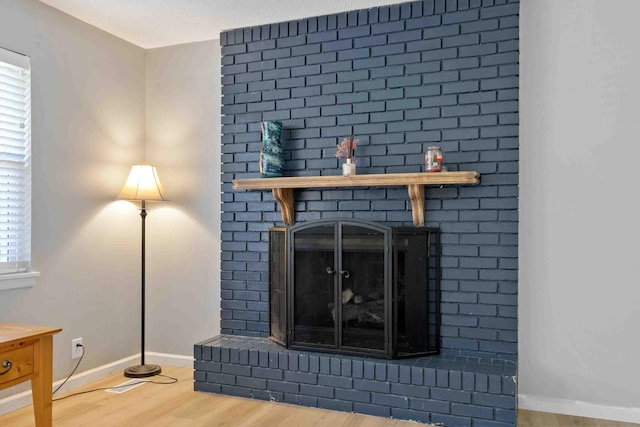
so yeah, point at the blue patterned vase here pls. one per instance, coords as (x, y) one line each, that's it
(271, 159)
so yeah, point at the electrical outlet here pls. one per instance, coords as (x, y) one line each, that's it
(76, 350)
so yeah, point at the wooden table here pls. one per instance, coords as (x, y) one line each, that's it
(26, 353)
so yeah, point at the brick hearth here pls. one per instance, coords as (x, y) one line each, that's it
(447, 389)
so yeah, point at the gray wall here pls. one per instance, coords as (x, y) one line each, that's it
(88, 128)
(99, 104)
(579, 226)
(183, 140)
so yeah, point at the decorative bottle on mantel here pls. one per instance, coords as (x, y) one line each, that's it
(271, 158)
(348, 168)
(346, 149)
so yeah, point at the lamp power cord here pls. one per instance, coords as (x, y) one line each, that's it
(172, 381)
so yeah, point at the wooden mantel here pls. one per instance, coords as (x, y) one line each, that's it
(283, 187)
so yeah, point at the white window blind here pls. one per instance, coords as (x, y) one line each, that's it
(15, 162)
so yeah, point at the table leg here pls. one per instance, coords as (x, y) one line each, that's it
(41, 384)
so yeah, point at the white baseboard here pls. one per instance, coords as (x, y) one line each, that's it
(19, 400)
(579, 409)
(165, 359)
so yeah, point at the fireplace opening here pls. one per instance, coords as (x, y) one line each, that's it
(355, 287)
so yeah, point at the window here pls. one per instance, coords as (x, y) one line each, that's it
(15, 162)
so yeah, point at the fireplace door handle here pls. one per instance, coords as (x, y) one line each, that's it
(330, 270)
(345, 274)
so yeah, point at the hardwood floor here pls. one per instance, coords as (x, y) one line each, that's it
(544, 419)
(178, 405)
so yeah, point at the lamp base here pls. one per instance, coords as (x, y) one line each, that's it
(142, 371)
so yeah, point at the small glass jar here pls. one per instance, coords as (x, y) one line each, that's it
(348, 168)
(433, 159)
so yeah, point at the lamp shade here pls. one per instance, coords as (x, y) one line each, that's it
(143, 184)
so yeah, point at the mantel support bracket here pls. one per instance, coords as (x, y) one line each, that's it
(416, 195)
(284, 196)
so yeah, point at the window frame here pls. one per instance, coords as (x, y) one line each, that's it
(15, 165)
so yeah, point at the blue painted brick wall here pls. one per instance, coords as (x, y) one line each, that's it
(400, 78)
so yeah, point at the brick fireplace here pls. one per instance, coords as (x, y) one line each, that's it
(400, 78)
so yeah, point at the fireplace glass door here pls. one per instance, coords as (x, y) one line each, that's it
(363, 276)
(278, 285)
(340, 297)
(416, 292)
(314, 284)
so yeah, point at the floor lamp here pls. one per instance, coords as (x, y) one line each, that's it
(144, 185)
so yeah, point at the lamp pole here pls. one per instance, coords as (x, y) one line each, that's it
(142, 185)
(143, 215)
(142, 370)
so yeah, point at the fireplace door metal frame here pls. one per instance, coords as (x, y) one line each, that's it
(282, 288)
(337, 271)
(278, 303)
(432, 275)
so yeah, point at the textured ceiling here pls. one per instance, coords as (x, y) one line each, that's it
(157, 23)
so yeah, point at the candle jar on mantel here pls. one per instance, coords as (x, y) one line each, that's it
(348, 168)
(433, 159)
